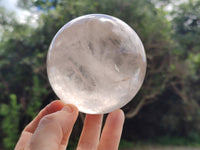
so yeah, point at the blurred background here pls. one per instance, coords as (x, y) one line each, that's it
(166, 111)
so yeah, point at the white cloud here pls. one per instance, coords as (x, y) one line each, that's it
(21, 14)
(9, 4)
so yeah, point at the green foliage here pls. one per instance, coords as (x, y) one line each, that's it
(10, 123)
(19, 74)
(178, 141)
(187, 31)
(168, 141)
(194, 65)
(38, 93)
(186, 23)
(125, 144)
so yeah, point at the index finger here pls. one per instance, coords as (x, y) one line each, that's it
(31, 127)
(49, 109)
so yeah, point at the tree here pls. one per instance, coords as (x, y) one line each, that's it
(186, 24)
(176, 111)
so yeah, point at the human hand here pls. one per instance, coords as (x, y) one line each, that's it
(52, 127)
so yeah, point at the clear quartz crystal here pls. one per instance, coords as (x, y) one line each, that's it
(97, 63)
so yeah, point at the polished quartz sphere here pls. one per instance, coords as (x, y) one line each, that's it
(97, 63)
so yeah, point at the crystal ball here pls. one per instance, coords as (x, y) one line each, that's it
(96, 62)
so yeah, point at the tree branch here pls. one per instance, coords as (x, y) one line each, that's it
(135, 111)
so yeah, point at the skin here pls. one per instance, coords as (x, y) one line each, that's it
(51, 129)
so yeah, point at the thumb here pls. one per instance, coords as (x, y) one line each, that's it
(54, 130)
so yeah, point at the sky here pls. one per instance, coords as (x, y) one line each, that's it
(21, 14)
(9, 4)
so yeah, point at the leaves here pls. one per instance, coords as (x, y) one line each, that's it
(10, 122)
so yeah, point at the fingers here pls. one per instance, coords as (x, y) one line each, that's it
(30, 128)
(22, 142)
(53, 130)
(51, 108)
(89, 138)
(52, 127)
(111, 133)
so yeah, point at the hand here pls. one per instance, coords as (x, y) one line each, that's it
(52, 127)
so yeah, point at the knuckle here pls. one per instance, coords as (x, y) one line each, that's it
(48, 119)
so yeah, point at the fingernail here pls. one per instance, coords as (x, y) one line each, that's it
(68, 108)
